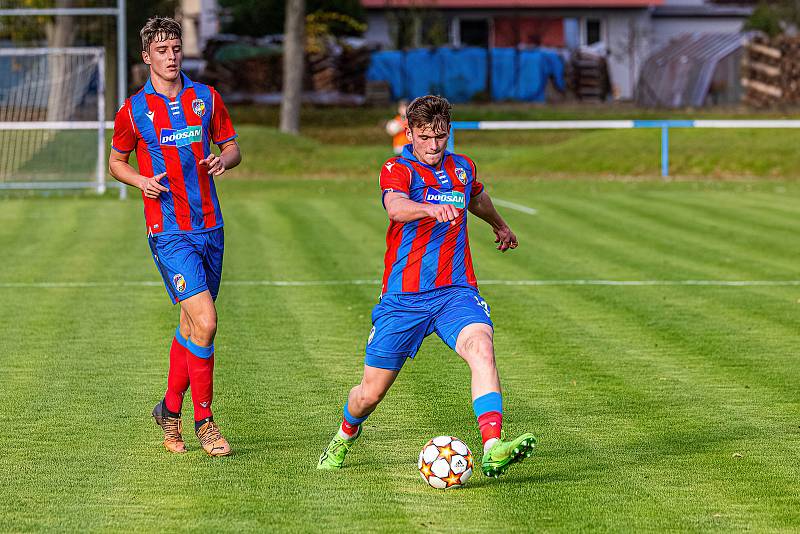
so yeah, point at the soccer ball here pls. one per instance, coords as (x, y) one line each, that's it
(445, 462)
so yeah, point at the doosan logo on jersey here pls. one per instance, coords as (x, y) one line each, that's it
(434, 196)
(184, 137)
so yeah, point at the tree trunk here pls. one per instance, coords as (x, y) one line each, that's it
(292, 66)
(60, 35)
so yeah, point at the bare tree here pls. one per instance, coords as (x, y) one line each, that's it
(292, 66)
(60, 34)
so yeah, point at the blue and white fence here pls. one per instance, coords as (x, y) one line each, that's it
(664, 125)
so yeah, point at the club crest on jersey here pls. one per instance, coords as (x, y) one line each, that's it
(454, 198)
(461, 174)
(199, 107)
(187, 136)
(180, 283)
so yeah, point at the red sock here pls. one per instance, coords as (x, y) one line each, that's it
(201, 377)
(178, 377)
(490, 424)
(349, 429)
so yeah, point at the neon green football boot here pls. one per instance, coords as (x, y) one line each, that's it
(333, 455)
(505, 453)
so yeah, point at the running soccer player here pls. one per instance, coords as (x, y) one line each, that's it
(429, 284)
(170, 123)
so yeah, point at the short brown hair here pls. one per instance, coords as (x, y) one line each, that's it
(159, 29)
(429, 110)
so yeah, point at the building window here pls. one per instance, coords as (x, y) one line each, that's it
(592, 31)
(474, 32)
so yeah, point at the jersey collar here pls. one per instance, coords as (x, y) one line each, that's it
(150, 90)
(408, 153)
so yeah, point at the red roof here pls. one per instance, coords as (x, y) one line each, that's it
(505, 4)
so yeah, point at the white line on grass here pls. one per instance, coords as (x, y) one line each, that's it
(318, 283)
(735, 283)
(515, 206)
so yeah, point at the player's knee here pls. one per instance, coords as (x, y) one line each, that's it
(204, 327)
(370, 397)
(479, 350)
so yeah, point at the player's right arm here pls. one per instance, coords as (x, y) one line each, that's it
(122, 145)
(120, 169)
(402, 209)
(395, 183)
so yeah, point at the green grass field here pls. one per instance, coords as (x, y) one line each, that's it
(657, 407)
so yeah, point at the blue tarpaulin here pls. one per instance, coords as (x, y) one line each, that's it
(504, 73)
(523, 74)
(463, 73)
(460, 74)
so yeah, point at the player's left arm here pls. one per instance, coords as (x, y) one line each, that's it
(224, 136)
(483, 207)
(229, 157)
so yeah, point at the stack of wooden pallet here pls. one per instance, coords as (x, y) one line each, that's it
(588, 76)
(771, 71)
(761, 72)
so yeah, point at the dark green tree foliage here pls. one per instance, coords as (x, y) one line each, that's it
(774, 17)
(137, 14)
(263, 17)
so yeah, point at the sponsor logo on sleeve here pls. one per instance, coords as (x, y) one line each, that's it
(461, 174)
(454, 198)
(187, 136)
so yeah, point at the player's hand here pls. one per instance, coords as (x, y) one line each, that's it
(444, 212)
(151, 187)
(506, 238)
(214, 163)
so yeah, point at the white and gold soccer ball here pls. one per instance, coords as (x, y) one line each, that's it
(445, 462)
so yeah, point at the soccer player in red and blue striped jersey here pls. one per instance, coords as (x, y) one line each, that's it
(170, 124)
(429, 284)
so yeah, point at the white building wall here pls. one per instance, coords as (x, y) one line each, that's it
(672, 3)
(378, 30)
(665, 29)
(627, 37)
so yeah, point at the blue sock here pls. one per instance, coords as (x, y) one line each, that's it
(350, 424)
(355, 421)
(491, 402)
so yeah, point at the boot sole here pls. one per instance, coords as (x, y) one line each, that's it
(521, 451)
(218, 454)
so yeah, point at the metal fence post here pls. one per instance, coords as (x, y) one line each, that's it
(665, 150)
(451, 141)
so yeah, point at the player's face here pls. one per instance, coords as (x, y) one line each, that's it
(165, 58)
(428, 145)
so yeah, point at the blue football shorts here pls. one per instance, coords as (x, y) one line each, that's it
(401, 321)
(189, 263)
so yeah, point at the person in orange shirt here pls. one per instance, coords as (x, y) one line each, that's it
(397, 128)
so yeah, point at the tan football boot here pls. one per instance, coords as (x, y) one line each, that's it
(211, 439)
(172, 426)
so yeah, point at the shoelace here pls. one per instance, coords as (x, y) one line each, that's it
(210, 435)
(172, 429)
(343, 444)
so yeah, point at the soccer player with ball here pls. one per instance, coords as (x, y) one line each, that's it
(429, 284)
(170, 123)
